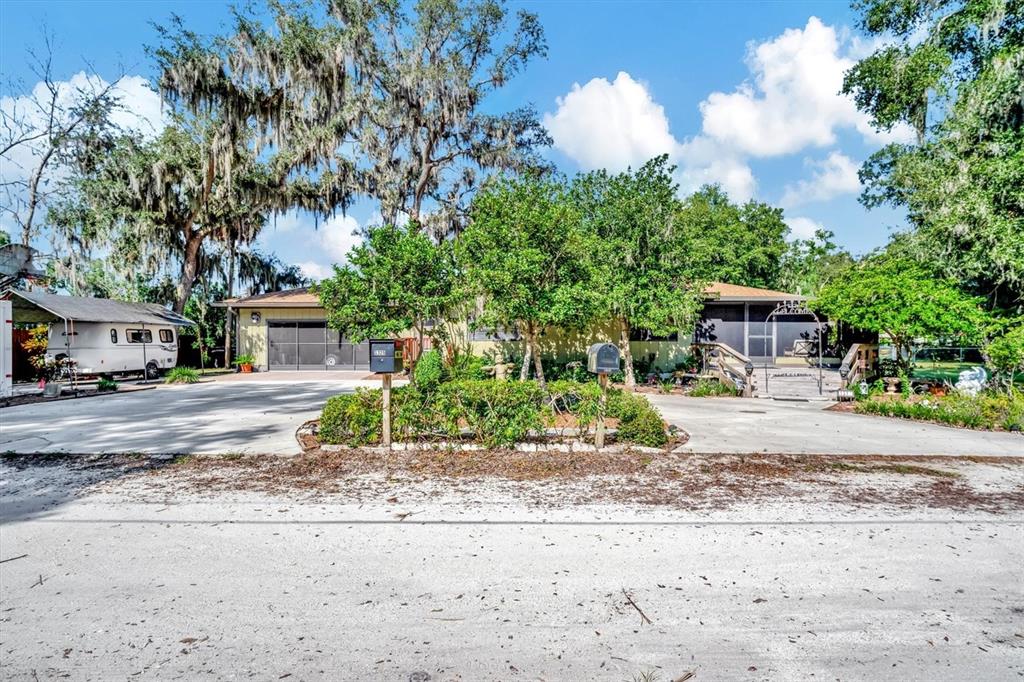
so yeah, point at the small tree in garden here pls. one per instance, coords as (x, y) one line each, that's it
(643, 253)
(1006, 352)
(527, 254)
(902, 299)
(396, 280)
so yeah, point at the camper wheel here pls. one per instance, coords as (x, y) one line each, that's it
(152, 370)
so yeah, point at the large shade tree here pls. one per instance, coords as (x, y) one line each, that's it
(374, 98)
(644, 259)
(903, 300)
(953, 70)
(399, 279)
(530, 259)
(157, 202)
(739, 244)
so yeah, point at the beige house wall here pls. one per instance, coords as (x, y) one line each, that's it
(252, 338)
(556, 344)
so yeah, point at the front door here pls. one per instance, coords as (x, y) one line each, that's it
(310, 345)
(761, 334)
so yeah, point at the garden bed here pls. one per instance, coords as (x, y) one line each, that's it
(989, 411)
(494, 414)
(70, 394)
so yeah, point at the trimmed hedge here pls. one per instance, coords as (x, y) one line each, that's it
(496, 413)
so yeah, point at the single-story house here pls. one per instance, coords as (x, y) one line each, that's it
(287, 330)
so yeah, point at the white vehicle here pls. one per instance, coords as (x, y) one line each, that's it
(103, 336)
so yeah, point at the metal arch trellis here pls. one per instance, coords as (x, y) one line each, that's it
(797, 308)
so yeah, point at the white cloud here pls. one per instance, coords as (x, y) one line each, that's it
(802, 228)
(314, 271)
(834, 176)
(610, 124)
(617, 124)
(793, 101)
(338, 235)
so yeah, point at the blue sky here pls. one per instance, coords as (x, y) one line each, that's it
(741, 93)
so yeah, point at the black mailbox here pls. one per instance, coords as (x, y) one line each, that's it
(603, 358)
(384, 358)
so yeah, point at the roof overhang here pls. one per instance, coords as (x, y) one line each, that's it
(42, 308)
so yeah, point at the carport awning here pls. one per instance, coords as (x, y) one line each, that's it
(38, 306)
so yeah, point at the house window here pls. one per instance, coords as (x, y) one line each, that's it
(166, 336)
(113, 336)
(139, 335)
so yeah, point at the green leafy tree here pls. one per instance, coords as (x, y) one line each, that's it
(954, 74)
(809, 264)
(374, 98)
(1006, 352)
(152, 203)
(528, 256)
(903, 300)
(729, 243)
(398, 279)
(644, 279)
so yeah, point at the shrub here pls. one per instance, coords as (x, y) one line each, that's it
(711, 387)
(499, 413)
(583, 400)
(104, 385)
(984, 411)
(181, 375)
(429, 371)
(353, 418)
(466, 366)
(639, 422)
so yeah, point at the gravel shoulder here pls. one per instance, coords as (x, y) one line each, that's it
(220, 568)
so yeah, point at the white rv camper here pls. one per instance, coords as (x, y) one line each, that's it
(104, 336)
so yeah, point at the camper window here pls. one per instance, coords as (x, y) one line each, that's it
(166, 336)
(113, 336)
(139, 335)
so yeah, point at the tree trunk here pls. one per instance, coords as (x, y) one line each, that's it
(231, 293)
(538, 368)
(189, 269)
(524, 371)
(627, 353)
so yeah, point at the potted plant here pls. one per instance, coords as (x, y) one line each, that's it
(244, 363)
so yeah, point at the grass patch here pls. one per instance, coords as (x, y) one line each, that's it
(711, 388)
(181, 375)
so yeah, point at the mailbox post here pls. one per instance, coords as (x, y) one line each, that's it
(602, 359)
(385, 361)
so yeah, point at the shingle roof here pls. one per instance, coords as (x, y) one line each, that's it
(84, 309)
(737, 292)
(292, 298)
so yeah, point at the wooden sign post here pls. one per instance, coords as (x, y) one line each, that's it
(386, 436)
(602, 359)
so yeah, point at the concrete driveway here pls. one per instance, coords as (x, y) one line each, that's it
(738, 425)
(260, 413)
(256, 415)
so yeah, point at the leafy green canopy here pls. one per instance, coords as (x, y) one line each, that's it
(902, 299)
(956, 75)
(729, 243)
(530, 259)
(643, 256)
(809, 264)
(372, 98)
(398, 279)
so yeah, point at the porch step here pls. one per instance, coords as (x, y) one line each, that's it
(797, 383)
